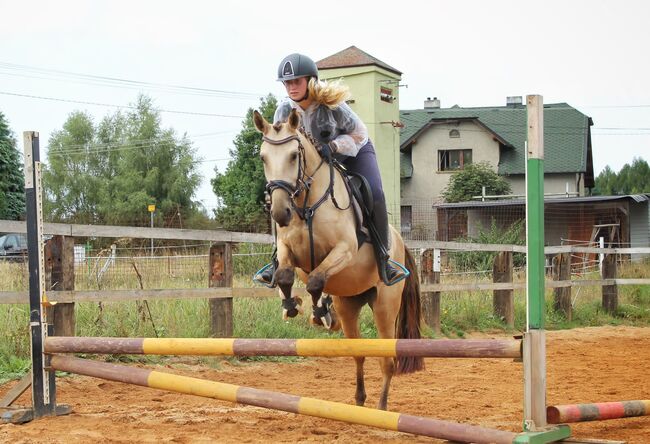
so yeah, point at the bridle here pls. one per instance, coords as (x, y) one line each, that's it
(303, 183)
(292, 189)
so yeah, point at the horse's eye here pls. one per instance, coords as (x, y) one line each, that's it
(262, 157)
(294, 156)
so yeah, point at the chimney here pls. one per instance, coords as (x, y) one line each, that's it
(513, 101)
(432, 104)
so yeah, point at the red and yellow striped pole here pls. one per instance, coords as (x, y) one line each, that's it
(561, 414)
(445, 348)
(279, 401)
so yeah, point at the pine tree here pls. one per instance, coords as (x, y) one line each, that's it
(12, 180)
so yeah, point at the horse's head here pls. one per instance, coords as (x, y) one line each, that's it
(282, 153)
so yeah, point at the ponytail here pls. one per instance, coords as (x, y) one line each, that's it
(328, 93)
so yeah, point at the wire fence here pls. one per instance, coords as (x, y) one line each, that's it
(130, 263)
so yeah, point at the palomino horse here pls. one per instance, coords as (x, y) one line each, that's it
(316, 237)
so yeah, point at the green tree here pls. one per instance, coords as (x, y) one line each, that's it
(109, 173)
(240, 189)
(631, 179)
(468, 182)
(12, 180)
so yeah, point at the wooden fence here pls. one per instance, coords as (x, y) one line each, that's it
(60, 265)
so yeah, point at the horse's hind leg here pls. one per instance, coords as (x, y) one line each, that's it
(384, 310)
(348, 309)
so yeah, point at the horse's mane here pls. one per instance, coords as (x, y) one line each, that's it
(308, 136)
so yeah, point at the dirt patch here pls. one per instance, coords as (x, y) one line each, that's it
(584, 365)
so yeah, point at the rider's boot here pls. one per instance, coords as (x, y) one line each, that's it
(266, 274)
(389, 274)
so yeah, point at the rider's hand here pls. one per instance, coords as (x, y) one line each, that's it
(327, 149)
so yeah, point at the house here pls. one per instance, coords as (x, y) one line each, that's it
(622, 221)
(435, 142)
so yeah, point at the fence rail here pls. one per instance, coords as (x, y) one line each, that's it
(218, 266)
(113, 231)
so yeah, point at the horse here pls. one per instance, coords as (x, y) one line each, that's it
(316, 237)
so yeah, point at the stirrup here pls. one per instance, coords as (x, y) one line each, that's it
(257, 277)
(399, 277)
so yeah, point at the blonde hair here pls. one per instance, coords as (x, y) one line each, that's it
(329, 93)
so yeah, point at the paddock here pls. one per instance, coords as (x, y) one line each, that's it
(584, 365)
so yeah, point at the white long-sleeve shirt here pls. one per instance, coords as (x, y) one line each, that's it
(339, 126)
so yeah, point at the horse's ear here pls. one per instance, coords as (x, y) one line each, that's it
(260, 122)
(294, 119)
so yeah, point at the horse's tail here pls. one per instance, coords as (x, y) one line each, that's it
(410, 316)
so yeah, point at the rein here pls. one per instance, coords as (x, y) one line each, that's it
(303, 183)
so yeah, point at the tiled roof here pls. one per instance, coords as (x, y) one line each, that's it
(353, 56)
(566, 132)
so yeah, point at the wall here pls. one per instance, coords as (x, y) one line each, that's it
(639, 227)
(364, 83)
(553, 183)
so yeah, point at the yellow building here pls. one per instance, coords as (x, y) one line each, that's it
(375, 98)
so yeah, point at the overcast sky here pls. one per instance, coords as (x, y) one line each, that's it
(590, 54)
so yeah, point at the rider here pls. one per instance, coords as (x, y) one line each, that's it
(328, 119)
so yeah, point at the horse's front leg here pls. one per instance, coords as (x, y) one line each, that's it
(285, 276)
(337, 260)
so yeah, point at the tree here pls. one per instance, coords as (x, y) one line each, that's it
(12, 180)
(109, 173)
(468, 182)
(632, 179)
(240, 189)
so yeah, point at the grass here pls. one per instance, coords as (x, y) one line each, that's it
(461, 312)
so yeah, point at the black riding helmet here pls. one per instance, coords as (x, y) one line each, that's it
(295, 66)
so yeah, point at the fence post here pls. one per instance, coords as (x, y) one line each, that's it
(610, 292)
(59, 261)
(503, 301)
(430, 299)
(562, 295)
(220, 269)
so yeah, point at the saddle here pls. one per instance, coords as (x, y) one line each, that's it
(362, 202)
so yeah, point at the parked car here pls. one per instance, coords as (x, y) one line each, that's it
(13, 247)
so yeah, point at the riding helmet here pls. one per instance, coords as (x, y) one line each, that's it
(295, 66)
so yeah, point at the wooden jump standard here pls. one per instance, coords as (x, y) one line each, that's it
(445, 348)
(279, 401)
(560, 414)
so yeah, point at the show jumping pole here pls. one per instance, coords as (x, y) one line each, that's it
(535, 424)
(42, 383)
(280, 401)
(558, 414)
(395, 348)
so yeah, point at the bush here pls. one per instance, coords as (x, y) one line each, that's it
(483, 260)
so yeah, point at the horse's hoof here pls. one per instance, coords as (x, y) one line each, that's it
(291, 313)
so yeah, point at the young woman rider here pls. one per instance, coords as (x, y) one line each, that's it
(327, 118)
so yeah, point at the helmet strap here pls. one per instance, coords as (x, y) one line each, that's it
(306, 96)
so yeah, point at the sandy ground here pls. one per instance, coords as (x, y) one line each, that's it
(584, 365)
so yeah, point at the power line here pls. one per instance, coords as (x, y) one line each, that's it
(122, 83)
(93, 147)
(54, 99)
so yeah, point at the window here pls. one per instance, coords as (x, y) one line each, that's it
(454, 134)
(452, 160)
(386, 94)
